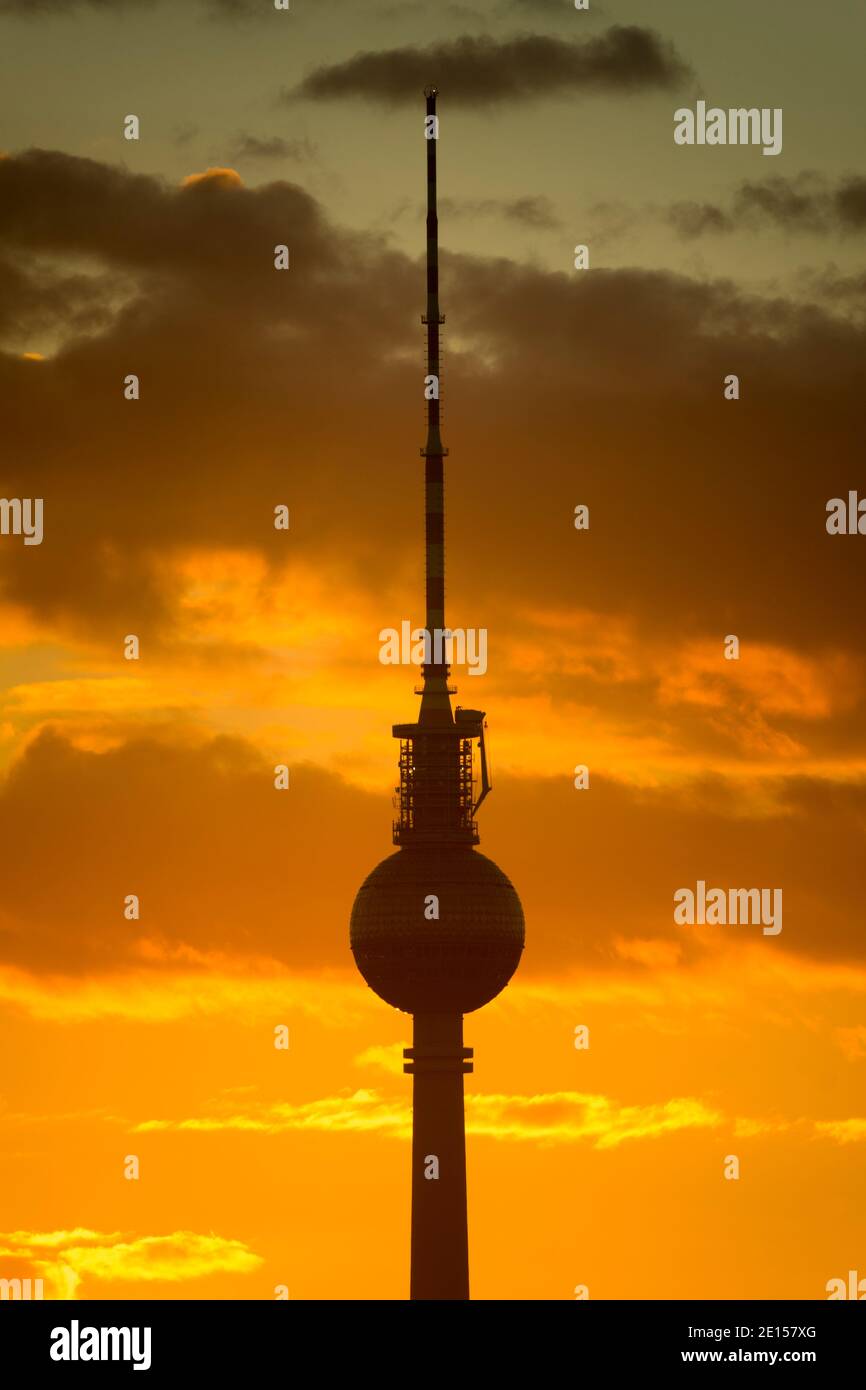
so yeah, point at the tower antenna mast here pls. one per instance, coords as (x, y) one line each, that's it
(435, 701)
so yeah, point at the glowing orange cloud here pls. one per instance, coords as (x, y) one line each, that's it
(64, 1258)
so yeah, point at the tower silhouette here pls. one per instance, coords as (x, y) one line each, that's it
(437, 967)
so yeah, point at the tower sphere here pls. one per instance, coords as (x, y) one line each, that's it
(451, 964)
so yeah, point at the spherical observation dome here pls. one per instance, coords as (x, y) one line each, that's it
(452, 964)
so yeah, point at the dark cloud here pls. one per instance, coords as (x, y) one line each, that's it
(804, 205)
(561, 10)
(183, 134)
(478, 71)
(553, 9)
(807, 204)
(209, 309)
(566, 850)
(223, 863)
(690, 219)
(40, 9)
(220, 860)
(788, 204)
(829, 286)
(850, 203)
(37, 301)
(272, 147)
(600, 386)
(138, 221)
(536, 212)
(36, 9)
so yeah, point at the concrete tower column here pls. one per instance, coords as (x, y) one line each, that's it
(440, 1238)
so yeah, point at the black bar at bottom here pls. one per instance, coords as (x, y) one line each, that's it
(227, 1337)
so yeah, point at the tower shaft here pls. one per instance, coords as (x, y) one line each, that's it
(440, 1236)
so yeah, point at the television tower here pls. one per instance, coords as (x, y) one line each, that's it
(437, 929)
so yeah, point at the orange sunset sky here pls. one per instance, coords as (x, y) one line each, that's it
(262, 1167)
